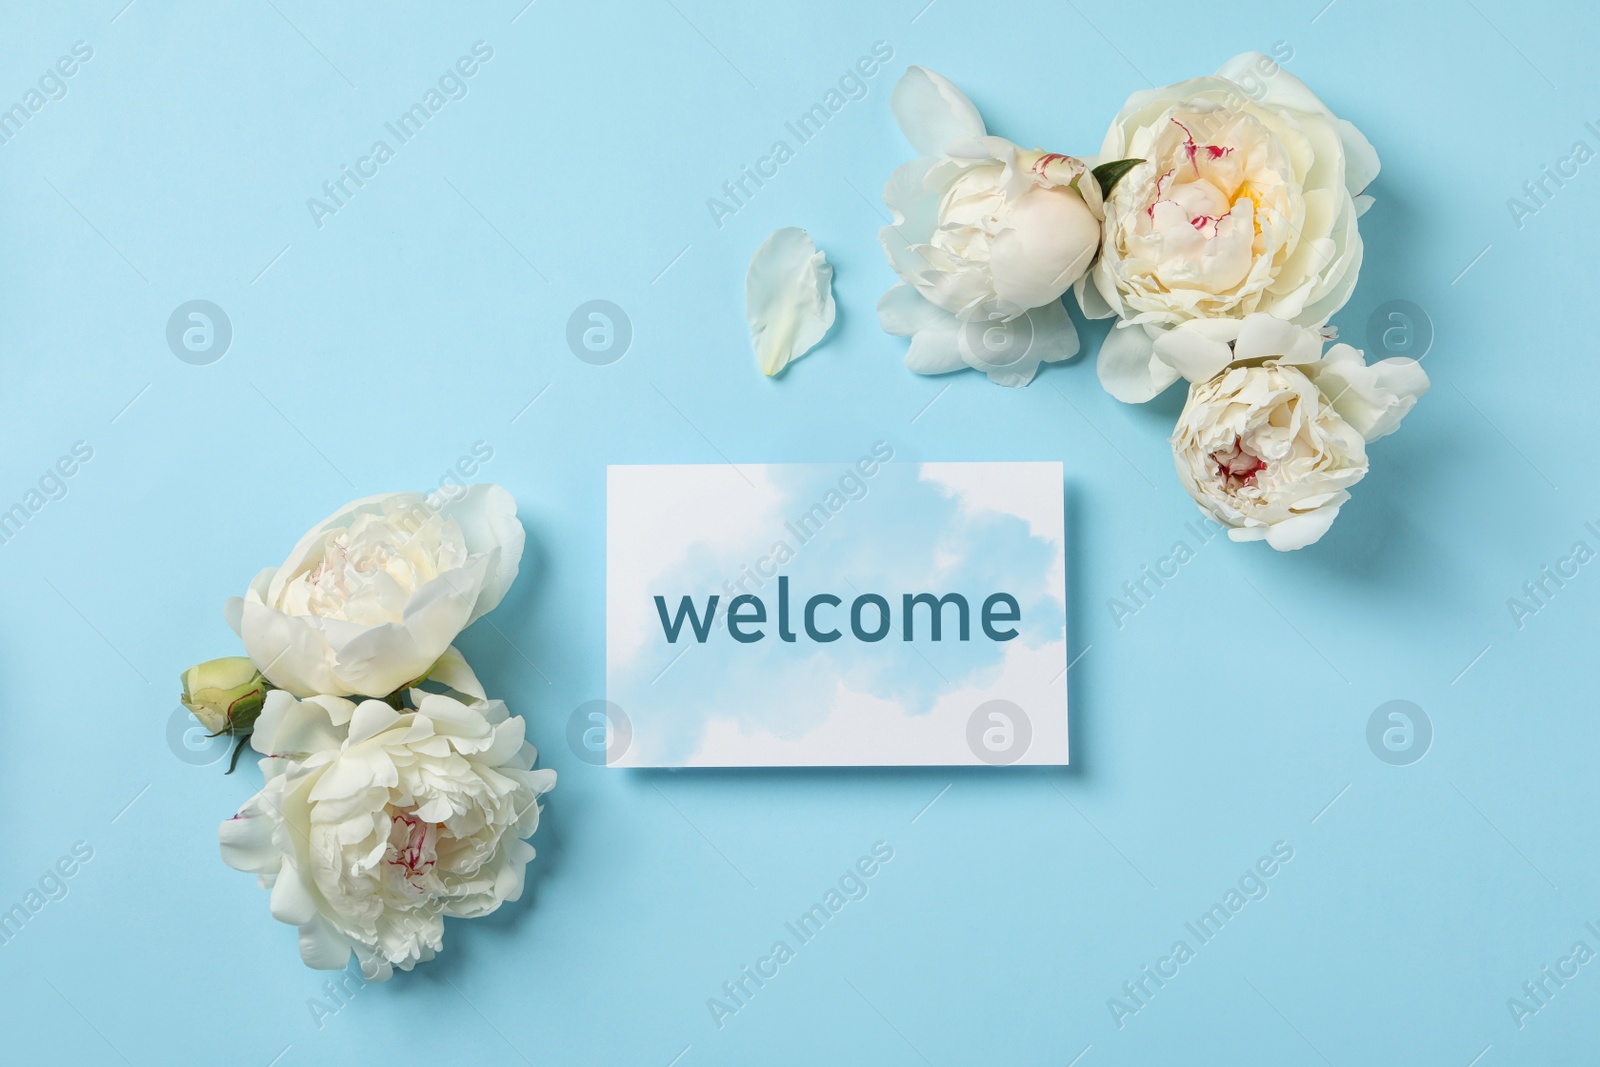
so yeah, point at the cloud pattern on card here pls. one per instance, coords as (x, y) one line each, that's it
(907, 528)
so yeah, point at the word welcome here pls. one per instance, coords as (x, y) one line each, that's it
(851, 886)
(804, 128)
(408, 125)
(1552, 579)
(1252, 886)
(749, 610)
(52, 86)
(52, 886)
(52, 485)
(1552, 179)
(1537, 993)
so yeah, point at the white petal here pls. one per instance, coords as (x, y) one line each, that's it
(292, 902)
(1050, 237)
(1372, 399)
(788, 298)
(292, 651)
(290, 727)
(1360, 161)
(508, 740)
(233, 607)
(371, 718)
(453, 670)
(1198, 349)
(1091, 301)
(1055, 338)
(1280, 89)
(1129, 368)
(246, 843)
(1298, 531)
(1010, 352)
(338, 708)
(915, 206)
(935, 350)
(377, 660)
(903, 312)
(322, 947)
(458, 719)
(932, 112)
(487, 514)
(1338, 280)
(1266, 335)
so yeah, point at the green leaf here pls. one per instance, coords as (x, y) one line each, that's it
(1109, 174)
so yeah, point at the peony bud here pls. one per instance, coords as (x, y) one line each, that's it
(225, 694)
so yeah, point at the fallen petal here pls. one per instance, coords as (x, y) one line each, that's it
(788, 298)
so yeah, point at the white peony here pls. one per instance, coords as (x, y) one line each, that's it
(375, 824)
(985, 233)
(1270, 446)
(371, 598)
(1244, 203)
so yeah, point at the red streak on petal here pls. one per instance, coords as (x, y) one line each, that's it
(1188, 143)
(1150, 210)
(410, 858)
(1238, 467)
(1190, 148)
(1045, 160)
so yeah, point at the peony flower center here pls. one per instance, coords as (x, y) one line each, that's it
(367, 572)
(1207, 166)
(413, 845)
(1238, 466)
(1210, 213)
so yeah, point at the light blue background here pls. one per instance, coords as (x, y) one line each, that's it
(1224, 716)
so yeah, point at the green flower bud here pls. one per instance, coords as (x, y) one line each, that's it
(225, 694)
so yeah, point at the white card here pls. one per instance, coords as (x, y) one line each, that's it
(865, 613)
